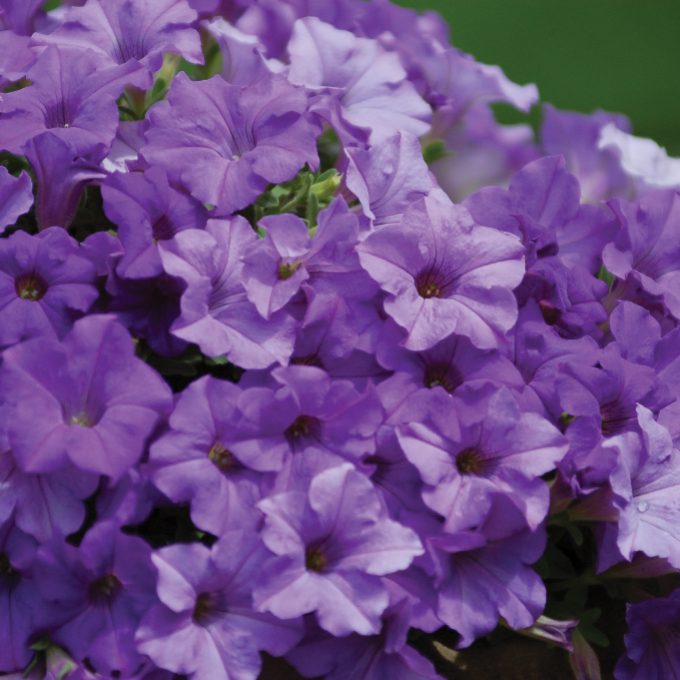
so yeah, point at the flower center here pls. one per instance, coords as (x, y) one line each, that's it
(315, 560)
(302, 427)
(287, 269)
(429, 283)
(442, 375)
(470, 461)
(208, 607)
(81, 419)
(163, 229)
(223, 459)
(30, 286)
(104, 588)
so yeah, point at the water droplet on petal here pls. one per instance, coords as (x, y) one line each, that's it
(643, 506)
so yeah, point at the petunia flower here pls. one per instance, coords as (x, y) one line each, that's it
(246, 137)
(119, 31)
(205, 625)
(445, 274)
(355, 78)
(99, 593)
(87, 400)
(216, 313)
(46, 282)
(332, 544)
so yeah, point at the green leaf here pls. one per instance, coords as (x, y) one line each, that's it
(435, 151)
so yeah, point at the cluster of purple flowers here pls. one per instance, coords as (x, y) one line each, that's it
(303, 353)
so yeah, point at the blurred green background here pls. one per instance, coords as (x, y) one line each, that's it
(617, 55)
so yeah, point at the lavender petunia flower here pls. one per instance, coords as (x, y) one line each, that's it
(70, 96)
(457, 82)
(575, 136)
(23, 611)
(490, 447)
(43, 506)
(388, 177)
(99, 591)
(444, 274)
(19, 17)
(45, 283)
(246, 137)
(16, 197)
(449, 364)
(332, 546)
(243, 59)
(647, 248)
(362, 88)
(62, 173)
(16, 57)
(330, 421)
(216, 313)
(147, 210)
(330, 337)
(274, 268)
(646, 483)
(97, 403)
(386, 655)
(483, 574)
(480, 152)
(206, 626)
(221, 444)
(641, 159)
(652, 640)
(118, 31)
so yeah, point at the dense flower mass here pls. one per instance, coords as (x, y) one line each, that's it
(308, 361)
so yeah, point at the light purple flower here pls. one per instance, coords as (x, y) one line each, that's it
(21, 605)
(275, 267)
(333, 544)
(43, 505)
(386, 655)
(226, 143)
(16, 197)
(71, 96)
(575, 136)
(479, 447)
(243, 59)
(330, 421)
(216, 313)
(118, 31)
(388, 177)
(652, 640)
(99, 592)
(16, 57)
(483, 573)
(646, 483)
(206, 626)
(147, 210)
(46, 282)
(87, 400)
(444, 274)
(62, 173)
(221, 444)
(362, 88)
(647, 249)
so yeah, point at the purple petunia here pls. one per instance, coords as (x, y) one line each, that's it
(205, 624)
(445, 274)
(263, 131)
(97, 403)
(333, 544)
